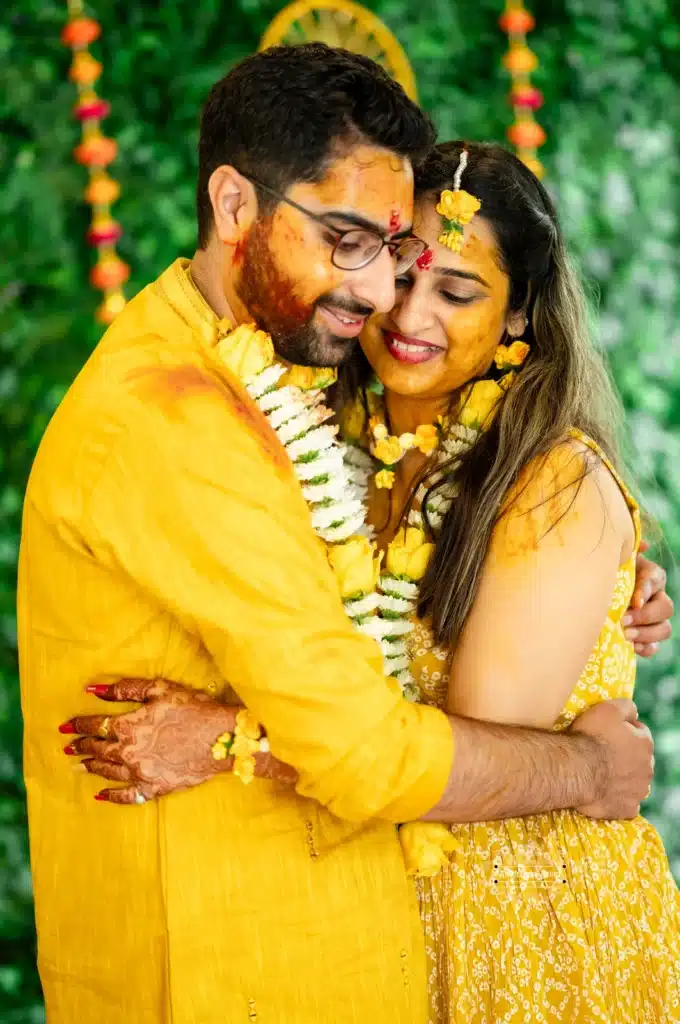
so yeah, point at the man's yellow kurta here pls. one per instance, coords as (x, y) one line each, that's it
(165, 535)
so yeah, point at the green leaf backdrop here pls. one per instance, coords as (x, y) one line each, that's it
(610, 72)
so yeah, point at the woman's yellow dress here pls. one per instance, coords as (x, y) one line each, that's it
(554, 917)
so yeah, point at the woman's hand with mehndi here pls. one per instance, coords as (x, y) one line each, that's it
(163, 746)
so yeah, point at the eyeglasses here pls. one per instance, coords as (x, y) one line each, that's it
(357, 247)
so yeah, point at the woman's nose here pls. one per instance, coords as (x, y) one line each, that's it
(411, 315)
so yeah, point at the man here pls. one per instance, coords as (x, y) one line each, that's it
(166, 536)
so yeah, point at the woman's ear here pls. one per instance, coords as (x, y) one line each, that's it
(234, 203)
(516, 323)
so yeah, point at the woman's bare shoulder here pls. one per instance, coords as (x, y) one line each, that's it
(567, 489)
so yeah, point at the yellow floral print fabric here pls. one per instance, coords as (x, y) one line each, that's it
(554, 918)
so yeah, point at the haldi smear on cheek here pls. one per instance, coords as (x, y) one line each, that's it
(265, 290)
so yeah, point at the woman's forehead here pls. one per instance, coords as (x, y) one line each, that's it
(479, 247)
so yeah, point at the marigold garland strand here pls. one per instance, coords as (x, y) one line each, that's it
(526, 134)
(96, 152)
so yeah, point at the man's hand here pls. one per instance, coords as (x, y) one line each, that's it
(163, 746)
(647, 620)
(627, 752)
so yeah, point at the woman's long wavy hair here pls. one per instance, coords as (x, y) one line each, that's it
(563, 384)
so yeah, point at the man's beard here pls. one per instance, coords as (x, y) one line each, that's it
(269, 296)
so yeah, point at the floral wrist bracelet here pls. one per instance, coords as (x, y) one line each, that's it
(246, 741)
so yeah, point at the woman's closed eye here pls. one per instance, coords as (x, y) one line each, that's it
(459, 300)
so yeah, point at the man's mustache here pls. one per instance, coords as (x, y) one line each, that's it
(347, 305)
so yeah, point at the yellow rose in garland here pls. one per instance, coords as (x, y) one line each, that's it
(355, 567)
(246, 351)
(479, 403)
(409, 553)
(310, 378)
(425, 846)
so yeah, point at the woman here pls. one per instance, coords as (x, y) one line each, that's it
(485, 358)
(556, 917)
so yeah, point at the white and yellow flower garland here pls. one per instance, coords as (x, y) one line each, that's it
(334, 478)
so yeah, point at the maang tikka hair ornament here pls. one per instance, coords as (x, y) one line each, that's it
(456, 209)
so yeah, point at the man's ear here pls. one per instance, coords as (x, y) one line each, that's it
(234, 203)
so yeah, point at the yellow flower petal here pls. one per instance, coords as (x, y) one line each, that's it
(244, 769)
(445, 206)
(352, 563)
(458, 206)
(508, 356)
(419, 561)
(413, 537)
(480, 402)
(384, 480)
(409, 553)
(425, 846)
(246, 351)
(388, 450)
(244, 747)
(426, 438)
(310, 378)
(247, 725)
(453, 240)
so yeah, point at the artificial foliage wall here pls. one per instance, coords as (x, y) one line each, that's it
(610, 72)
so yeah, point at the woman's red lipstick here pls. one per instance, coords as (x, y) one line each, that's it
(410, 350)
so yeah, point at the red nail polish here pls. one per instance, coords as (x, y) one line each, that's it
(102, 796)
(67, 727)
(70, 750)
(98, 689)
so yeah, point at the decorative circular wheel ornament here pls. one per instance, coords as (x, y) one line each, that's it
(345, 24)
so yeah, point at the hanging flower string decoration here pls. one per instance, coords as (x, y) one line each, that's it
(525, 134)
(96, 152)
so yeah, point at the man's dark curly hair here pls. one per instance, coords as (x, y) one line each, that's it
(283, 114)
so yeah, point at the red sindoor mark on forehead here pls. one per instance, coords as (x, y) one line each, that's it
(424, 261)
(395, 222)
